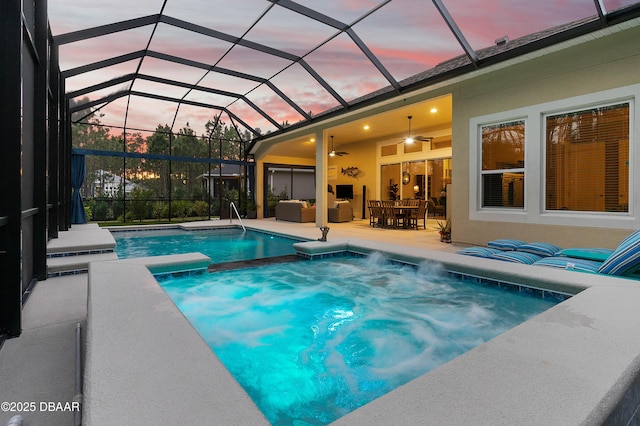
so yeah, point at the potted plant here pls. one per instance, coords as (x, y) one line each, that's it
(444, 229)
(393, 191)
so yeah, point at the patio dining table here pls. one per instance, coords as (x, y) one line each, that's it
(404, 211)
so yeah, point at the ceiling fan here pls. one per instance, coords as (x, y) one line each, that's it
(411, 139)
(333, 152)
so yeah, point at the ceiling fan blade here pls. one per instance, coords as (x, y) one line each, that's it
(410, 139)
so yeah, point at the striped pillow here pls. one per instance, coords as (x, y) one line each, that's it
(516, 257)
(478, 251)
(570, 264)
(626, 257)
(541, 249)
(505, 244)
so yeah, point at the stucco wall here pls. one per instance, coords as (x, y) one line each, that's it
(362, 156)
(599, 64)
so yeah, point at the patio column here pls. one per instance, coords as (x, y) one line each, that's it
(258, 190)
(322, 159)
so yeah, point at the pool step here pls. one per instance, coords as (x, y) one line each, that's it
(74, 249)
(76, 264)
(240, 264)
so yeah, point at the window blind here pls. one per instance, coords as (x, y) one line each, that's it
(587, 160)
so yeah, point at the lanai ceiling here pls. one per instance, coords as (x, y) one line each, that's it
(266, 66)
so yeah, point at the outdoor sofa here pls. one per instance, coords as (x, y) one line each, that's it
(342, 212)
(295, 211)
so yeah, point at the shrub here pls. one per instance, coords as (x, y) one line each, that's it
(180, 208)
(160, 210)
(200, 208)
(100, 210)
(141, 206)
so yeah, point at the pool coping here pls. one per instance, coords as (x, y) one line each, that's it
(145, 363)
(199, 226)
(572, 364)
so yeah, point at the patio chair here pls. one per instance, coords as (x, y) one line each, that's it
(391, 218)
(375, 213)
(419, 214)
(435, 208)
(370, 209)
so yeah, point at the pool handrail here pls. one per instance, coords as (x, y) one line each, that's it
(233, 205)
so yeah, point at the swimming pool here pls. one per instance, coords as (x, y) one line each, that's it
(311, 341)
(221, 245)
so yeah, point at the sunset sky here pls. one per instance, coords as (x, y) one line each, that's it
(407, 37)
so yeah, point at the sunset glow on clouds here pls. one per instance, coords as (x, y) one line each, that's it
(407, 37)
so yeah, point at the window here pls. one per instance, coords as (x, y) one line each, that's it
(587, 160)
(413, 179)
(390, 175)
(503, 164)
(388, 150)
(410, 148)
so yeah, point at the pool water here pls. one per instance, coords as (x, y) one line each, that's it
(221, 245)
(311, 341)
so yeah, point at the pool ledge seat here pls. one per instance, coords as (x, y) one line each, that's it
(314, 249)
(171, 263)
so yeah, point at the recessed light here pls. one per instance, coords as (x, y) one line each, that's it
(366, 127)
(312, 140)
(434, 110)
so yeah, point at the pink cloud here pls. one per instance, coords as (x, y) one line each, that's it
(408, 36)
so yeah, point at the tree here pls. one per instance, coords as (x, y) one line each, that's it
(158, 143)
(226, 143)
(187, 144)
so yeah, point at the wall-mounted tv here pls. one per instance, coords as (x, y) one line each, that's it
(344, 192)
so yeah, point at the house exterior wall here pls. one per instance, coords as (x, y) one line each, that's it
(589, 72)
(363, 156)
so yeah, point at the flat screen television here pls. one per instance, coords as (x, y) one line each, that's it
(344, 192)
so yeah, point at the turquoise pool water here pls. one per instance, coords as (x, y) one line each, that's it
(221, 245)
(311, 341)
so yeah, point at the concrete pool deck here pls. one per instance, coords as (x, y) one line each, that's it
(571, 365)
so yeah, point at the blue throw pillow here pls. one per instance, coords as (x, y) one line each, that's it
(478, 251)
(516, 257)
(505, 244)
(541, 249)
(625, 259)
